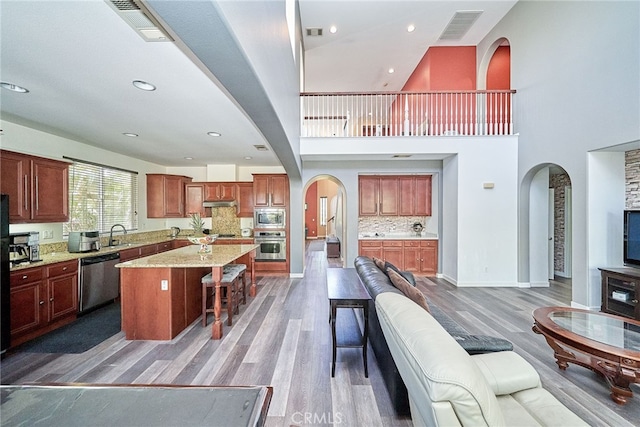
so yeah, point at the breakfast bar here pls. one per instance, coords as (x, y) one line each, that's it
(161, 294)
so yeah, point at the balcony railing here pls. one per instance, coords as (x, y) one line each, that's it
(480, 112)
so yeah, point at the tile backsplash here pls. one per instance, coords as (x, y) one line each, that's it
(389, 224)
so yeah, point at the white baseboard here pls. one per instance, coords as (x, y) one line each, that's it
(540, 284)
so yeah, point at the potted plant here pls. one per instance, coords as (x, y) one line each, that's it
(199, 238)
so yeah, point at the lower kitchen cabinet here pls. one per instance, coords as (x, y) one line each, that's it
(418, 256)
(42, 299)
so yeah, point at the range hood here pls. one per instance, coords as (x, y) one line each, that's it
(220, 204)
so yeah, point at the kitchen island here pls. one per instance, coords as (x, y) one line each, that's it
(162, 294)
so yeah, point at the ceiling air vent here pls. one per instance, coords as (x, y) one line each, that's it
(314, 32)
(140, 20)
(460, 24)
(261, 147)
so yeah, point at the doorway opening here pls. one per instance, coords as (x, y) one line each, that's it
(324, 219)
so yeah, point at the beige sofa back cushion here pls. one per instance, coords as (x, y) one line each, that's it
(435, 369)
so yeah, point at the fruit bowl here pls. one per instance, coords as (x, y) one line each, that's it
(203, 241)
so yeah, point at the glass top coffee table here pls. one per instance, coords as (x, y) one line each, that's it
(604, 343)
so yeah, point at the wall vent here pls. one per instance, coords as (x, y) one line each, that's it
(140, 20)
(314, 32)
(261, 147)
(460, 23)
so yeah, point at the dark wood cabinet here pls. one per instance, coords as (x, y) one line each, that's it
(37, 187)
(378, 195)
(244, 197)
(42, 299)
(621, 291)
(219, 191)
(394, 195)
(166, 195)
(418, 256)
(194, 199)
(270, 190)
(414, 195)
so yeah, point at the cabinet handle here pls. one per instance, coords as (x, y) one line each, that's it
(41, 302)
(635, 301)
(25, 277)
(26, 205)
(64, 268)
(51, 299)
(37, 195)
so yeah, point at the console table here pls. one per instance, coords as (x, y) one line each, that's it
(346, 291)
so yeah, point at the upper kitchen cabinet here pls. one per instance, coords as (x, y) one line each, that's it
(415, 195)
(166, 195)
(38, 188)
(219, 191)
(378, 195)
(194, 200)
(270, 190)
(244, 196)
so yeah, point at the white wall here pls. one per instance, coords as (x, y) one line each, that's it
(575, 67)
(30, 141)
(539, 229)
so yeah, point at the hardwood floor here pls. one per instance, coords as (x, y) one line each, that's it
(282, 338)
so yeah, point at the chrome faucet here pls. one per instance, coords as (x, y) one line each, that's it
(111, 241)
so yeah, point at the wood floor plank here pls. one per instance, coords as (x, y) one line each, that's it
(281, 379)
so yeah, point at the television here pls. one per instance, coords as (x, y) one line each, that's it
(632, 238)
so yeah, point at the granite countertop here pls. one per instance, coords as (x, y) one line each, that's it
(397, 236)
(189, 256)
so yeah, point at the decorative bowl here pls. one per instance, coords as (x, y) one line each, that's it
(203, 241)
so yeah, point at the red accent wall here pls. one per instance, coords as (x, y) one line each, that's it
(311, 214)
(444, 68)
(499, 71)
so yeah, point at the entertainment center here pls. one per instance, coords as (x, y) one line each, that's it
(621, 285)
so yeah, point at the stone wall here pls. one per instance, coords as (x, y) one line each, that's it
(632, 177)
(559, 182)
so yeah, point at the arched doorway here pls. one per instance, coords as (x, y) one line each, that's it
(324, 213)
(546, 231)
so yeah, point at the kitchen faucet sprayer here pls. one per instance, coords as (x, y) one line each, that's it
(111, 241)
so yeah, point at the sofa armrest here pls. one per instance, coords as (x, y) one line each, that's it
(506, 372)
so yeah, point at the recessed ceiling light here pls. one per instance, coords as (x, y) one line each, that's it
(13, 88)
(214, 134)
(188, 158)
(248, 157)
(391, 70)
(333, 29)
(129, 134)
(401, 156)
(411, 28)
(142, 85)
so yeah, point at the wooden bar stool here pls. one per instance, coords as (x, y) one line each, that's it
(229, 287)
(242, 280)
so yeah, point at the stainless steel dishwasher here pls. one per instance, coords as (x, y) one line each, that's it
(99, 280)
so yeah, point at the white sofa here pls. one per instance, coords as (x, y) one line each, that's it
(448, 387)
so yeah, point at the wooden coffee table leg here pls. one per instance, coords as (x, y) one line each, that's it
(561, 355)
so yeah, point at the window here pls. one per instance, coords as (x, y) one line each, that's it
(323, 210)
(101, 196)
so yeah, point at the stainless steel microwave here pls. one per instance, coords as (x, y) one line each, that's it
(269, 218)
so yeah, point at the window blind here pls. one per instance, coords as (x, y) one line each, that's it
(101, 196)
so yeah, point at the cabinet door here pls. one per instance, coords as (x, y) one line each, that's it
(393, 251)
(429, 257)
(27, 300)
(388, 196)
(174, 196)
(15, 178)
(244, 196)
(279, 190)
(219, 191)
(63, 296)
(368, 194)
(422, 198)
(412, 255)
(194, 198)
(260, 191)
(407, 195)
(129, 254)
(370, 249)
(50, 194)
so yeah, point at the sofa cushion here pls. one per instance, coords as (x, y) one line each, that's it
(406, 274)
(407, 289)
(374, 279)
(380, 263)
